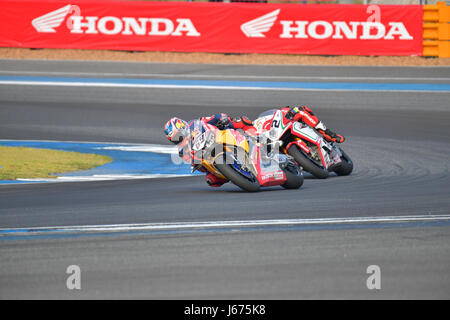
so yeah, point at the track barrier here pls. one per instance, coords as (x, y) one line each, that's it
(436, 30)
(280, 28)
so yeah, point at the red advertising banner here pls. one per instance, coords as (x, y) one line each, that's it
(213, 27)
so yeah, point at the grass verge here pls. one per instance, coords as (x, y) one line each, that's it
(31, 163)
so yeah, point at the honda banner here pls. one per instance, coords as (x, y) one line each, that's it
(212, 27)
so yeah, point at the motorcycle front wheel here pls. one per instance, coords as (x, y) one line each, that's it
(306, 163)
(238, 179)
(346, 166)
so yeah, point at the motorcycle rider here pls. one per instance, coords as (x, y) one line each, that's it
(176, 128)
(176, 131)
(222, 121)
(305, 114)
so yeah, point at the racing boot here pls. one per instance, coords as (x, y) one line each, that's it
(329, 135)
(214, 181)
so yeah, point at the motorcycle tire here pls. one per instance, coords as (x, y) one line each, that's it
(294, 177)
(346, 166)
(306, 163)
(238, 179)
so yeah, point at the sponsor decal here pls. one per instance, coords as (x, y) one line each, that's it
(277, 175)
(48, 22)
(142, 26)
(307, 115)
(112, 25)
(257, 27)
(301, 29)
(195, 27)
(344, 30)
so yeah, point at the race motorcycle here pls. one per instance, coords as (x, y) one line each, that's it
(241, 159)
(304, 143)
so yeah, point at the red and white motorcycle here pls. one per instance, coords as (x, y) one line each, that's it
(304, 143)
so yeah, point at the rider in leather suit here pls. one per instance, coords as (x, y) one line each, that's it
(305, 114)
(176, 130)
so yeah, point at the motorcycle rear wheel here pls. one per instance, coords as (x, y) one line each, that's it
(294, 177)
(346, 166)
(306, 163)
(238, 179)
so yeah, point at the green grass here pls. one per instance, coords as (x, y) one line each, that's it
(30, 163)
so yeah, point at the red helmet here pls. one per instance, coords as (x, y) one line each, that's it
(175, 130)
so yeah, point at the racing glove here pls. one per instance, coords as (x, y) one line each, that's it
(242, 121)
(245, 124)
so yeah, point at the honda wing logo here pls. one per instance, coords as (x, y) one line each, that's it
(51, 20)
(256, 27)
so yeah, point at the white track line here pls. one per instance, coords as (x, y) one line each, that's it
(106, 177)
(145, 148)
(153, 146)
(223, 224)
(202, 87)
(216, 76)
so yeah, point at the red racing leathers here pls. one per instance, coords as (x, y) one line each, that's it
(305, 114)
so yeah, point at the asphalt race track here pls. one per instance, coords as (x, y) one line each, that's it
(398, 141)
